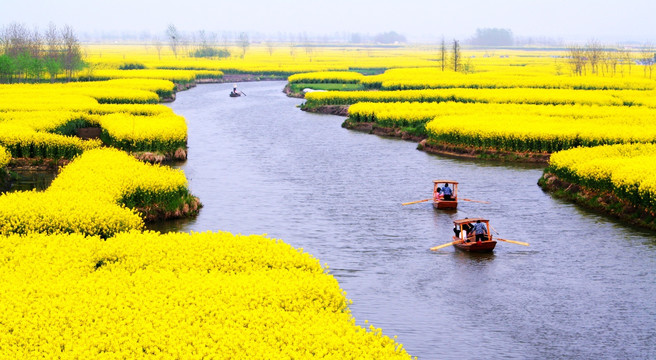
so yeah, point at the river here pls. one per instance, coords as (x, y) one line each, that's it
(583, 289)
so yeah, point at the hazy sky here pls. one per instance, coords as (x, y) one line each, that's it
(570, 20)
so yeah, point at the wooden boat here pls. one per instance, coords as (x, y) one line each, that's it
(466, 241)
(234, 94)
(439, 200)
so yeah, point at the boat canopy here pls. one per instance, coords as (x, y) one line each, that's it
(445, 181)
(470, 220)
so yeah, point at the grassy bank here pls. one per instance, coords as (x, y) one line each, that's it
(600, 201)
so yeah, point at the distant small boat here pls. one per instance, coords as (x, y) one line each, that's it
(234, 94)
(465, 240)
(440, 201)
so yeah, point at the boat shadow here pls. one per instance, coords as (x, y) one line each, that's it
(460, 255)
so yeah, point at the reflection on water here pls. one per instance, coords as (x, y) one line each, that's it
(32, 180)
(466, 258)
(584, 289)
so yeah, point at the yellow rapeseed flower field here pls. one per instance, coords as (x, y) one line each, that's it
(507, 77)
(176, 76)
(498, 96)
(37, 120)
(192, 296)
(96, 194)
(621, 169)
(345, 77)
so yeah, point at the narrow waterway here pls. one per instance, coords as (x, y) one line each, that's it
(584, 289)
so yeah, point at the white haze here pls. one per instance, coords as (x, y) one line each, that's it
(419, 21)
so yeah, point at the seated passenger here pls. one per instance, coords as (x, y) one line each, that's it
(456, 230)
(480, 230)
(437, 195)
(447, 192)
(467, 228)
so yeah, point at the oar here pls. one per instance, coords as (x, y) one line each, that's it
(479, 201)
(513, 241)
(445, 245)
(418, 201)
(243, 93)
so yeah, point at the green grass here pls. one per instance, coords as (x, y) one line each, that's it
(369, 71)
(298, 87)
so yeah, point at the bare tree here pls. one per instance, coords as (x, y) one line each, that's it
(28, 55)
(3, 40)
(443, 53)
(456, 57)
(185, 44)
(16, 40)
(199, 41)
(558, 66)
(309, 49)
(213, 39)
(158, 46)
(647, 59)
(627, 57)
(53, 42)
(611, 60)
(269, 46)
(244, 43)
(594, 52)
(53, 52)
(35, 65)
(620, 58)
(36, 44)
(174, 38)
(72, 56)
(22, 53)
(576, 57)
(225, 38)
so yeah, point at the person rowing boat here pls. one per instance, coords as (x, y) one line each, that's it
(234, 92)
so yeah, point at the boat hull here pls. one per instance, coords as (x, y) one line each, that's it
(234, 95)
(445, 204)
(476, 247)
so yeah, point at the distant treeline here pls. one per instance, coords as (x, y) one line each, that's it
(31, 56)
(493, 37)
(603, 59)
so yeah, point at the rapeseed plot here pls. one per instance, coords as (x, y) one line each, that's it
(163, 87)
(132, 109)
(176, 76)
(536, 133)
(201, 295)
(91, 194)
(345, 77)
(75, 96)
(516, 127)
(404, 113)
(263, 60)
(24, 142)
(38, 120)
(164, 132)
(621, 169)
(498, 96)
(500, 78)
